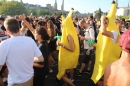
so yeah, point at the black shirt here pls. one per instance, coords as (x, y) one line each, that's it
(58, 28)
(43, 46)
(20, 24)
(29, 34)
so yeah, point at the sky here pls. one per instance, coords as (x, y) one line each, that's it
(83, 6)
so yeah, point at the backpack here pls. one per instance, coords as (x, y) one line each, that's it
(94, 35)
(95, 31)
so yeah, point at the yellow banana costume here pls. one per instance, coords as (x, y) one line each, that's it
(67, 59)
(106, 50)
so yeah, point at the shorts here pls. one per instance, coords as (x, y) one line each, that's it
(87, 58)
(27, 83)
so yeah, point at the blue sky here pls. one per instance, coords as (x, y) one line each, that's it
(84, 6)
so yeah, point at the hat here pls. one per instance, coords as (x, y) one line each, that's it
(125, 41)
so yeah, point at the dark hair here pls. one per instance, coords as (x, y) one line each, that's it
(127, 24)
(41, 23)
(107, 19)
(91, 17)
(52, 19)
(2, 19)
(27, 19)
(57, 18)
(74, 24)
(75, 18)
(12, 25)
(43, 32)
(37, 20)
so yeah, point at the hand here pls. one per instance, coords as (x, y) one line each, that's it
(81, 37)
(58, 43)
(103, 17)
(38, 65)
(21, 17)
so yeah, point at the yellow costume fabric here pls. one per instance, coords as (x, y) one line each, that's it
(63, 18)
(106, 50)
(68, 59)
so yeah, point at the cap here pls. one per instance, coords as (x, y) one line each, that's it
(125, 41)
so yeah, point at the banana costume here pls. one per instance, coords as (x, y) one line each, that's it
(106, 50)
(68, 59)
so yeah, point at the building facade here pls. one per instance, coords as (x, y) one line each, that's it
(123, 11)
(48, 7)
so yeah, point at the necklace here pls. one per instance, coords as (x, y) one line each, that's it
(123, 64)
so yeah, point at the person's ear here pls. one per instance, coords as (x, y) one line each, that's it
(8, 32)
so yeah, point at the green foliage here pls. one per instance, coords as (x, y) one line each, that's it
(125, 17)
(47, 12)
(43, 12)
(40, 12)
(33, 11)
(98, 14)
(12, 8)
(58, 13)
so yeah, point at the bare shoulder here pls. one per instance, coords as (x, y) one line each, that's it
(111, 65)
(69, 37)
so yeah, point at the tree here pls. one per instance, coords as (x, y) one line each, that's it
(58, 13)
(47, 12)
(125, 17)
(40, 12)
(77, 12)
(12, 8)
(33, 11)
(98, 14)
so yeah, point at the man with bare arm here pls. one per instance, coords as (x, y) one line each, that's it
(118, 72)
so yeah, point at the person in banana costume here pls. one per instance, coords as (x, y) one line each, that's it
(107, 47)
(69, 49)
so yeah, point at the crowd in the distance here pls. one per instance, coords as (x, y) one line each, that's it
(31, 47)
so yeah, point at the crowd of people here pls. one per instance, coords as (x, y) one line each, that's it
(28, 48)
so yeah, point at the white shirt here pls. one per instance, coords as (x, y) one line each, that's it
(3, 37)
(89, 34)
(18, 53)
(115, 34)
